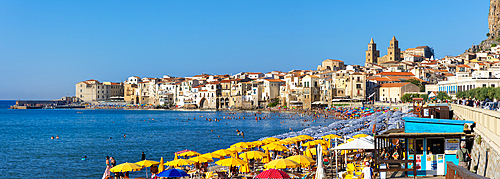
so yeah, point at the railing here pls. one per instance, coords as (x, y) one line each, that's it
(454, 172)
(487, 121)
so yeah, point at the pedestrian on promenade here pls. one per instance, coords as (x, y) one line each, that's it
(463, 155)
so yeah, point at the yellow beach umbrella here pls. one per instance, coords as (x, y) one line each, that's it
(231, 162)
(147, 163)
(282, 164)
(270, 139)
(180, 162)
(274, 147)
(284, 142)
(211, 155)
(253, 155)
(224, 152)
(266, 159)
(161, 167)
(126, 167)
(306, 137)
(245, 168)
(308, 153)
(237, 149)
(245, 145)
(360, 136)
(301, 138)
(201, 159)
(302, 160)
(189, 154)
(313, 151)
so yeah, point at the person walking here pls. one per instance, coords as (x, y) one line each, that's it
(463, 155)
(107, 173)
(367, 172)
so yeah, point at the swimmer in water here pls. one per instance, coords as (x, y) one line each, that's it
(84, 158)
(52, 137)
(57, 136)
(124, 135)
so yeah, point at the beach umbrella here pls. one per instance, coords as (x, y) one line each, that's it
(320, 171)
(161, 167)
(274, 147)
(314, 152)
(126, 167)
(173, 173)
(201, 159)
(180, 162)
(224, 152)
(147, 163)
(302, 160)
(189, 154)
(253, 155)
(270, 139)
(231, 162)
(245, 168)
(266, 159)
(245, 145)
(211, 155)
(237, 149)
(360, 136)
(300, 138)
(257, 143)
(272, 174)
(282, 164)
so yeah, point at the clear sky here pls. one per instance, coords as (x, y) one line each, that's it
(46, 47)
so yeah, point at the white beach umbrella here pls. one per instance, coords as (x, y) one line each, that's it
(320, 171)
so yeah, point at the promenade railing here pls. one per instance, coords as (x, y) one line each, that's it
(457, 172)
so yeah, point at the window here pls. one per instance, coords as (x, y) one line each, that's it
(419, 144)
(435, 146)
(358, 85)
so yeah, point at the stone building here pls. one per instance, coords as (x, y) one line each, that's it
(393, 53)
(93, 90)
(372, 54)
(331, 65)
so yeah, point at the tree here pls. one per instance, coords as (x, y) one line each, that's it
(442, 96)
(488, 34)
(417, 83)
(493, 45)
(425, 96)
(461, 94)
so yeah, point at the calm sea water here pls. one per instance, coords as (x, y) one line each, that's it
(28, 151)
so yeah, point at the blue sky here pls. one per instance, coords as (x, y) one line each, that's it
(46, 47)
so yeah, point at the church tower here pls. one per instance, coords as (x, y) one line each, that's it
(393, 51)
(372, 53)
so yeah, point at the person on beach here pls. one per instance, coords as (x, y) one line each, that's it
(107, 174)
(367, 172)
(143, 156)
(113, 164)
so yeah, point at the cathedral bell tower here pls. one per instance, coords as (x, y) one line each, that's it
(372, 53)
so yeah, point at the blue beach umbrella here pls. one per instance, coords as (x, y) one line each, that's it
(173, 173)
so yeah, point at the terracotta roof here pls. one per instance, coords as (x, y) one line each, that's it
(463, 66)
(396, 74)
(390, 85)
(335, 60)
(274, 80)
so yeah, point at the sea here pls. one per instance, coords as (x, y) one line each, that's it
(27, 150)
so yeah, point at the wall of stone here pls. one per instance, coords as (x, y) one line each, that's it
(489, 159)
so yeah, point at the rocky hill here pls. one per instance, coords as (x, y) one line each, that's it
(494, 26)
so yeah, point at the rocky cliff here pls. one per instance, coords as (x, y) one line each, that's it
(494, 20)
(494, 26)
